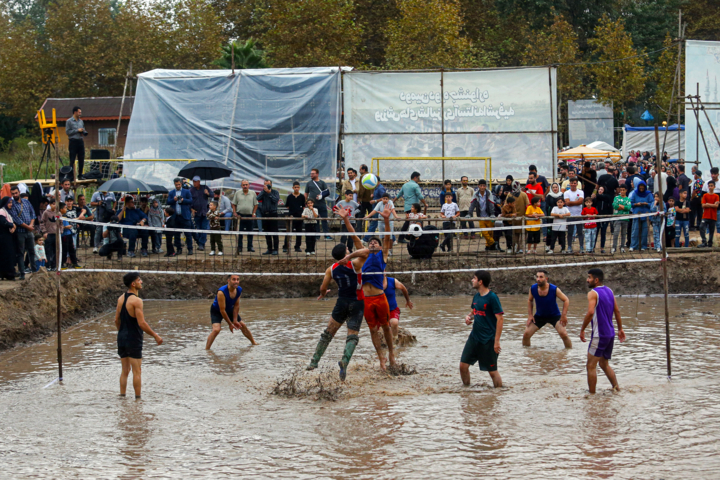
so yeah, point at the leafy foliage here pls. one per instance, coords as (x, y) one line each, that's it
(246, 56)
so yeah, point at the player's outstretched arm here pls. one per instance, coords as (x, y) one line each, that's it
(387, 241)
(566, 306)
(342, 213)
(621, 332)
(405, 293)
(325, 283)
(361, 253)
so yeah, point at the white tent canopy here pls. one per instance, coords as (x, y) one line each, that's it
(600, 145)
(643, 139)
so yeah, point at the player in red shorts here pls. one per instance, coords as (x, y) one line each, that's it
(391, 285)
(377, 310)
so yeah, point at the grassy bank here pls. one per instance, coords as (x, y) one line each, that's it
(21, 161)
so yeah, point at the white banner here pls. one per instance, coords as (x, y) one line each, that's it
(702, 66)
(590, 121)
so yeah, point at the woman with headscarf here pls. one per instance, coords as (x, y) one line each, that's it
(551, 202)
(604, 205)
(506, 188)
(670, 191)
(521, 204)
(641, 201)
(36, 197)
(7, 243)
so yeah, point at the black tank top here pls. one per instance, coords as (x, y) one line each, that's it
(130, 334)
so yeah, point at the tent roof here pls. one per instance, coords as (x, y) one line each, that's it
(165, 73)
(587, 152)
(671, 128)
(599, 145)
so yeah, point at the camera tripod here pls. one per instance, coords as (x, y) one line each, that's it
(49, 132)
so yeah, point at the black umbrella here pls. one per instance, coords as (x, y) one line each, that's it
(124, 184)
(205, 169)
(158, 188)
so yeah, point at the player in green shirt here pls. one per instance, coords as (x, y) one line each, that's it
(483, 344)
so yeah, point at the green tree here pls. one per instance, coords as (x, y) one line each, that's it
(663, 77)
(428, 35)
(310, 33)
(499, 40)
(619, 82)
(373, 16)
(703, 19)
(246, 56)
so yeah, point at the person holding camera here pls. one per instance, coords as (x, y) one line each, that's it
(112, 239)
(75, 131)
(104, 203)
(131, 215)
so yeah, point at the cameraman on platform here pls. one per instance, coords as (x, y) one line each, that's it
(75, 130)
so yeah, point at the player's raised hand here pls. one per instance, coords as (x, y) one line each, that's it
(341, 212)
(386, 211)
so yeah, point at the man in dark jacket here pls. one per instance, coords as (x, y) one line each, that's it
(181, 201)
(134, 216)
(317, 191)
(200, 195)
(269, 209)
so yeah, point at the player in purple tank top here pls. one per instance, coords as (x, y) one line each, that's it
(601, 307)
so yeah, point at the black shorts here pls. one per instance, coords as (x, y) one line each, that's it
(130, 352)
(533, 237)
(216, 317)
(542, 321)
(351, 310)
(483, 353)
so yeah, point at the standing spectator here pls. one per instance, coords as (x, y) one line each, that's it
(130, 215)
(23, 215)
(508, 211)
(351, 184)
(559, 226)
(51, 229)
(225, 209)
(269, 199)
(412, 193)
(365, 195)
(215, 237)
(377, 196)
(590, 231)
(553, 195)
(245, 204)
(7, 243)
(604, 205)
(609, 181)
(465, 196)
(641, 200)
(589, 179)
(682, 219)
(621, 207)
(450, 211)
(180, 200)
(565, 186)
(670, 224)
(485, 208)
(156, 218)
(715, 178)
(574, 199)
(351, 207)
(118, 172)
(104, 203)
(200, 196)
(541, 180)
(40, 257)
(696, 210)
(68, 247)
(533, 234)
(65, 190)
(683, 180)
(521, 204)
(447, 189)
(506, 188)
(318, 191)
(710, 204)
(310, 215)
(533, 189)
(75, 130)
(380, 207)
(85, 214)
(295, 204)
(170, 237)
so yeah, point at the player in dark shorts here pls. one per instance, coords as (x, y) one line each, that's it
(483, 344)
(392, 285)
(226, 306)
(130, 322)
(349, 306)
(377, 311)
(545, 295)
(601, 307)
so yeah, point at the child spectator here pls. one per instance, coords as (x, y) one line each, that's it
(310, 215)
(590, 227)
(533, 233)
(621, 207)
(155, 219)
(709, 205)
(670, 223)
(385, 200)
(67, 240)
(213, 217)
(508, 211)
(658, 207)
(559, 226)
(40, 258)
(351, 207)
(451, 211)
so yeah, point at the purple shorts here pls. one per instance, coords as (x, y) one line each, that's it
(601, 347)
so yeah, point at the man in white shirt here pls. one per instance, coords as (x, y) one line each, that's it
(574, 199)
(464, 198)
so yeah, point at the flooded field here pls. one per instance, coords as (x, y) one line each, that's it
(214, 414)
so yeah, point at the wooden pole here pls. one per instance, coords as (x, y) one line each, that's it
(58, 261)
(679, 79)
(122, 104)
(658, 169)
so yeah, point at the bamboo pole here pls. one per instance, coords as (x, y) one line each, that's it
(58, 261)
(658, 164)
(122, 104)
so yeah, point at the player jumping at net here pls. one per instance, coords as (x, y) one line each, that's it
(601, 307)
(130, 322)
(391, 286)
(544, 295)
(377, 311)
(227, 307)
(349, 305)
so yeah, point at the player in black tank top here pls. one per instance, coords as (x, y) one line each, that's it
(130, 322)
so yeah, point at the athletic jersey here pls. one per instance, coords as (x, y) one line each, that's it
(374, 263)
(545, 306)
(485, 310)
(601, 323)
(348, 281)
(130, 335)
(390, 294)
(229, 302)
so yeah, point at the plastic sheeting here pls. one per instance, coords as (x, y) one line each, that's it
(643, 139)
(270, 123)
(509, 115)
(702, 69)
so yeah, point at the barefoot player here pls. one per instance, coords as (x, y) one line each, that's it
(349, 305)
(377, 311)
(483, 344)
(130, 322)
(391, 286)
(601, 306)
(544, 295)
(226, 307)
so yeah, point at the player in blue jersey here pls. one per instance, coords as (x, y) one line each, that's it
(545, 295)
(227, 307)
(349, 305)
(601, 307)
(392, 285)
(377, 311)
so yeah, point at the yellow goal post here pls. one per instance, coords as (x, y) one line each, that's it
(432, 169)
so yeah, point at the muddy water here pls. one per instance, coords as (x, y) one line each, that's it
(214, 414)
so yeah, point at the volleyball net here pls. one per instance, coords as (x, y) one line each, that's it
(288, 246)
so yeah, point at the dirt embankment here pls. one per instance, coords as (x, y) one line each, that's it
(28, 311)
